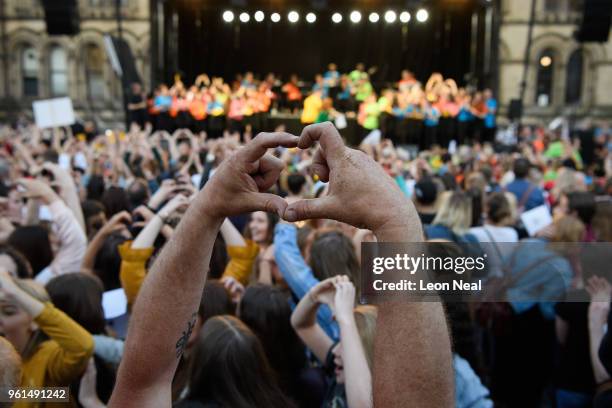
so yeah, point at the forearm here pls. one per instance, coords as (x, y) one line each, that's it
(358, 378)
(89, 259)
(596, 334)
(173, 289)
(149, 233)
(30, 305)
(305, 313)
(411, 337)
(231, 235)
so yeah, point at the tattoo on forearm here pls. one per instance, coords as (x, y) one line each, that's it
(181, 343)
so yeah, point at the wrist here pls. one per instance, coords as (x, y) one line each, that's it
(345, 319)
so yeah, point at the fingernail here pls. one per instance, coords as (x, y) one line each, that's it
(290, 214)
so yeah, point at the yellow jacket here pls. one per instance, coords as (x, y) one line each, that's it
(59, 361)
(241, 261)
(133, 269)
(133, 266)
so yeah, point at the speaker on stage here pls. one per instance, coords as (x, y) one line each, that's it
(121, 59)
(62, 17)
(515, 111)
(595, 23)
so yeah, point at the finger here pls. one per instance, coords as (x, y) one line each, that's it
(269, 170)
(327, 135)
(323, 207)
(319, 166)
(267, 202)
(257, 147)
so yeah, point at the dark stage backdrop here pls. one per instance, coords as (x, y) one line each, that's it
(198, 40)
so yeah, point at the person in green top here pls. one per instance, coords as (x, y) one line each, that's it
(364, 88)
(327, 113)
(355, 74)
(371, 113)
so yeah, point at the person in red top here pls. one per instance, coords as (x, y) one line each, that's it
(293, 95)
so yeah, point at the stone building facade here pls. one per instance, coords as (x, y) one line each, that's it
(563, 76)
(35, 65)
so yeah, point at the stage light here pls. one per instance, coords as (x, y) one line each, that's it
(355, 16)
(545, 61)
(275, 17)
(293, 16)
(311, 17)
(390, 16)
(422, 15)
(404, 17)
(228, 16)
(259, 16)
(244, 17)
(336, 18)
(374, 17)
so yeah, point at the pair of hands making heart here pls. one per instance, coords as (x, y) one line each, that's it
(360, 192)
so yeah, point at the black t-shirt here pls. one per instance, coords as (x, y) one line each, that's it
(574, 371)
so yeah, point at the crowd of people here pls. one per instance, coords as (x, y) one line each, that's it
(240, 262)
(407, 112)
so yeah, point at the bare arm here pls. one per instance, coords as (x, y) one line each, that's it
(416, 331)
(358, 377)
(116, 223)
(165, 310)
(304, 318)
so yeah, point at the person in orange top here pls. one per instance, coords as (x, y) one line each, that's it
(293, 95)
(53, 347)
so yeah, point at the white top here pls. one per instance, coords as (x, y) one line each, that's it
(499, 235)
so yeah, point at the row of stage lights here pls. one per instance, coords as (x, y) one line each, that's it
(355, 16)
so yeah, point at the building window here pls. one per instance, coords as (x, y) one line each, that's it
(94, 72)
(58, 71)
(29, 71)
(573, 84)
(552, 5)
(544, 87)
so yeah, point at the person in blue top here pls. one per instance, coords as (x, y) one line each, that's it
(528, 195)
(320, 85)
(332, 75)
(490, 125)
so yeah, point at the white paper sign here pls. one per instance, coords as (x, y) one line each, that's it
(114, 303)
(536, 219)
(50, 113)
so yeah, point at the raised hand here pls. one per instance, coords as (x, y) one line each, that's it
(324, 292)
(360, 192)
(344, 299)
(116, 223)
(239, 184)
(37, 189)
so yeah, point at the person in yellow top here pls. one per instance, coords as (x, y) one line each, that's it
(312, 106)
(53, 347)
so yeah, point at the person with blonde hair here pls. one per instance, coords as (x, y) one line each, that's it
(454, 218)
(10, 369)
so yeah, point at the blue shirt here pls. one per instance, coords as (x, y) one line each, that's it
(489, 120)
(469, 391)
(464, 115)
(298, 274)
(519, 187)
(543, 285)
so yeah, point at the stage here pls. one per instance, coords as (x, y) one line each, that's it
(190, 37)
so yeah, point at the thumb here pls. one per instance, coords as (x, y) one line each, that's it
(267, 202)
(323, 207)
